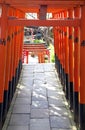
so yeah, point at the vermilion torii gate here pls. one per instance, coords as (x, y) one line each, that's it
(68, 20)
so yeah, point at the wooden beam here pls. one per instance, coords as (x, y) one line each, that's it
(26, 4)
(36, 50)
(44, 2)
(61, 22)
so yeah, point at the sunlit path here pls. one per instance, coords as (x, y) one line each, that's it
(39, 102)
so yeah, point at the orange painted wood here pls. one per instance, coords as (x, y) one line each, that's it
(82, 59)
(55, 40)
(52, 4)
(13, 51)
(61, 22)
(66, 32)
(35, 45)
(21, 42)
(71, 50)
(35, 50)
(76, 52)
(60, 42)
(11, 12)
(66, 50)
(8, 58)
(3, 51)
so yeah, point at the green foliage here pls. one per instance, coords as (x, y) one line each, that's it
(51, 48)
(52, 58)
(38, 41)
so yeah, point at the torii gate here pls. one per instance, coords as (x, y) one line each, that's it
(69, 25)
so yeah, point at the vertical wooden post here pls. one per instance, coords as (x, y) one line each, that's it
(71, 61)
(62, 54)
(62, 65)
(82, 70)
(66, 33)
(3, 57)
(6, 89)
(21, 44)
(15, 55)
(11, 60)
(55, 45)
(27, 57)
(76, 67)
(58, 51)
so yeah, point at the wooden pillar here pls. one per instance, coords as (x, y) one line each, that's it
(14, 61)
(21, 45)
(55, 30)
(62, 55)
(11, 59)
(27, 54)
(71, 61)
(39, 57)
(55, 45)
(58, 51)
(66, 34)
(8, 58)
(82, 70)
(3, 47)
(76, 67)
(17, 50)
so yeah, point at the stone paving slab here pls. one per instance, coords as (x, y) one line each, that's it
(25, 79)
(51, 87)
(41, 85)
(29, 82)
(27, 85)
(57, 102)
(25, 74)
(23, 101)
(39, 124)
(60, 122)
(39, 76)
(37, 92)
(48, 68)
(55, 94)
(18, 128)
(38, 81)
(21, 109)
(50, 74)
(40, 104)
(39, 127)
(20, 119)
(24, 94)
(39, 113)
(58, 111)
(60, 129)
(41, 90)
(38, 69)
(39, 97)
(25, 89)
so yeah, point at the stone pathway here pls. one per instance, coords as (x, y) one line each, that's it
(39, 102)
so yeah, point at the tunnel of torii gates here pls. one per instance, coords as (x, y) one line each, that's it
(68, 21)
